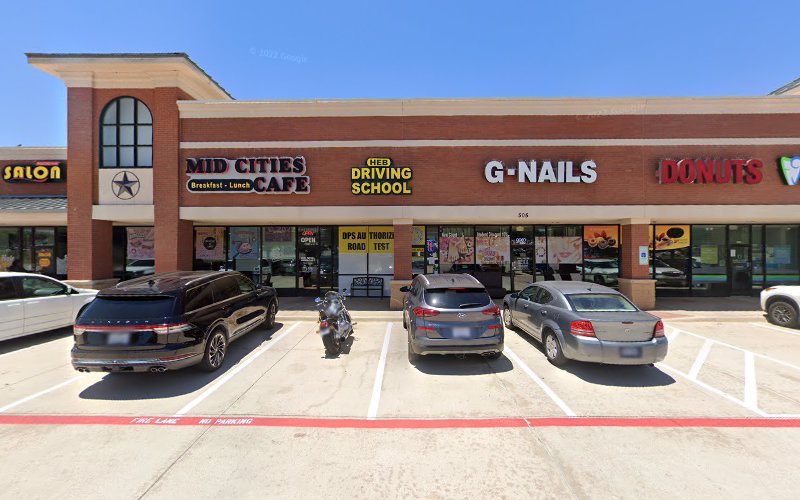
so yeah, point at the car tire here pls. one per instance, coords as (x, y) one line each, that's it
(782, 314)
(412, 356)
(272, 311)
(553, 351)
(215, 351)
(508, 318)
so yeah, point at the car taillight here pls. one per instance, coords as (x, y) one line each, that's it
(582, 329)
(492, 311)
(494, 327)
(423, 312)
(176, 328)
(658, 331)
(78, 330)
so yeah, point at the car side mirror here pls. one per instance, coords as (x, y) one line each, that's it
(73, 291)
(514, 295)
(404, 289)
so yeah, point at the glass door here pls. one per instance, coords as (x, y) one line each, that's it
(308, 258)
(740, 276)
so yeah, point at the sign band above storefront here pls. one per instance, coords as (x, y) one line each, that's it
(546, 171)
(262, 175)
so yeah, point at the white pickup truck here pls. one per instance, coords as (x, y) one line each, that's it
(781, 303)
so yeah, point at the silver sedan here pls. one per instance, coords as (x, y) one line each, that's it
(586, 322)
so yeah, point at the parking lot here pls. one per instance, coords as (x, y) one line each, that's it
(720, 416)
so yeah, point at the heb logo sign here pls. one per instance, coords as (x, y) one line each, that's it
(709, 171)
(39, 172)
(263, 175)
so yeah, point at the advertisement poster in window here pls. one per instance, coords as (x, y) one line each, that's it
(244, 243)
(492, 248)
(353, 239)
(540, 248)
(455, 249)
(564, 250)
(601, 241)
(418, 236)
(210, 243)
(671, 237)
(141, 243)
(381, 239)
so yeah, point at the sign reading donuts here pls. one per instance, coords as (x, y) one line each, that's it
(709, 171)
(262, 175)
(380, 176)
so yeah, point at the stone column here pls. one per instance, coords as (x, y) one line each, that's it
(635, 278)
(89, 242)
(402, 261)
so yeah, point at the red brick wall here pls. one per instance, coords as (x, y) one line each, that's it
(402, 251)
(625, 176)
(634, 236)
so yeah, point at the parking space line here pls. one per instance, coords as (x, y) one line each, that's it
(547, 390)
(762, 356)
(38, 394)
(750, 385)
(372, 413)
(671, 336)
(700, 359)
(777, 329)
(233, 371)
(711, 389)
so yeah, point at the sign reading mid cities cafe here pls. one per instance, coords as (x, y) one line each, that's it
(533, 171)
(262, 175)
(38, 172)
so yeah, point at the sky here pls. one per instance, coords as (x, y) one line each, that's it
(381, 49)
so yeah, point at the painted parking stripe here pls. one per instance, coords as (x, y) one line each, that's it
(351, 423)
(376, 388)
(713, 390)
(547, 390)
(39, 394)
(777, 329)
(750, 385)
(700, 359)
(233, 371)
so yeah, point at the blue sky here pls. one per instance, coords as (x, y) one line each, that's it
(297, 50)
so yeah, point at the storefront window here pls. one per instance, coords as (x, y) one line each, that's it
(140, 252)
(244, 254)
(493, 258)
(308, 257)
(209, 248)
(523, 259)
(670, 262)
(601, 254)
(432, 249)
(279, 256)
(27, 248)
(61, 252)
(781, 245)
(9, 248)
(44, 250)
(457, 249)
(564, 253)
(328, 259)
(366, 251)
(417, 250)
(757, 249)
(709, 261)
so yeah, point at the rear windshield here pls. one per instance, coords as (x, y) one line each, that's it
(457, 298)
(128, 308)
(600, 302)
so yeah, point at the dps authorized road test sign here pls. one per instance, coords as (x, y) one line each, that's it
(380, 176)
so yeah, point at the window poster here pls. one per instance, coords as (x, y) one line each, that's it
(209, 243)
(456, 249)
(244, 243)
(418, 236)
(564, 250)
(601, 242)
(671, 237)
(141, 243)
(492, 248)
(709, 255)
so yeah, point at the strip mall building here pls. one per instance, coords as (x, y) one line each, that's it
(164, 170)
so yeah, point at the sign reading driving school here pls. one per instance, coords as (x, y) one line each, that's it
(546, 171)
(262, 175)
(380, 176)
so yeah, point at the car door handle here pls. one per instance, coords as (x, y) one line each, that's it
(525, 306)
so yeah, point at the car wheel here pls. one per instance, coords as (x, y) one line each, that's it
(508, 320)
(552, 349)
(782, 314)
(412, 356)
(216, 348)
(272, 311)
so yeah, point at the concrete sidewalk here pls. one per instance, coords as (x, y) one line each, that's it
(670, 308)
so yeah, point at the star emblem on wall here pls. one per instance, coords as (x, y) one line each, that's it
(125, 185)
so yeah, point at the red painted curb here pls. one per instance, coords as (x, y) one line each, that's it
(344, 423)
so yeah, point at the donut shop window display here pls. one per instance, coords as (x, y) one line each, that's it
(601, 254)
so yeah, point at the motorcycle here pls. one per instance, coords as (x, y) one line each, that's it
(335, 323)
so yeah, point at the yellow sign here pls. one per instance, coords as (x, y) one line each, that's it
(39, 172)
(378, 176)
(353, 239)
(381, 239)
(671, 237)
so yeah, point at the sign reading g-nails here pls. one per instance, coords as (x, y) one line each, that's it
(262, 175)
(561, 171)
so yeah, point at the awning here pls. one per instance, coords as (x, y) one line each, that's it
(33, 211)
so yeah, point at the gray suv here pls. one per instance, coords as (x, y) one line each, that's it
(451, 314)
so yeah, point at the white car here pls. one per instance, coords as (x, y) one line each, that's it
(781, 303)
(32, 303)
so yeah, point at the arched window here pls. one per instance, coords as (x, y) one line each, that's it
(126, 138)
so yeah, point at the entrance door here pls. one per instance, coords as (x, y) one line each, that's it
(308, 258)
(740, 272)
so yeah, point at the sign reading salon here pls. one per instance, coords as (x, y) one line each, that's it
(262, 175)
(545, 171)
(38, 172)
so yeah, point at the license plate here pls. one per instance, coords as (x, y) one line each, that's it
(630, 352)
(461, 333)
(118, 338)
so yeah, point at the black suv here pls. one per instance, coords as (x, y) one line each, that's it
(169, 321)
